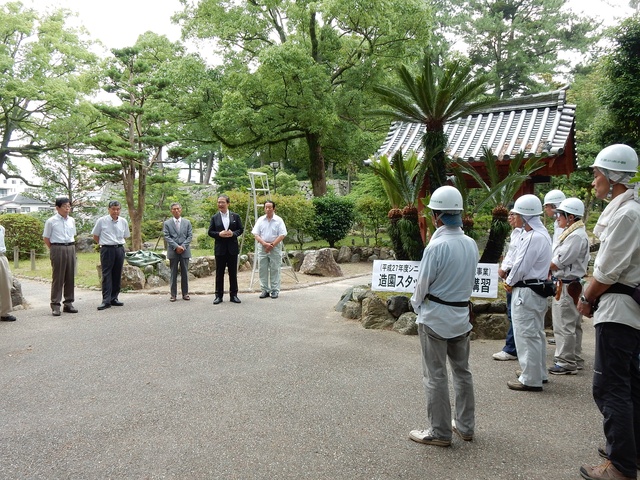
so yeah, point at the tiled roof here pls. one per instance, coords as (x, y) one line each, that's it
(21, 199)
(534, 123)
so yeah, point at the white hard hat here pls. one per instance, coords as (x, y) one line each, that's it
(446, 199)
(573, 206)
(554, 197)
(618, 158)
(527, 205)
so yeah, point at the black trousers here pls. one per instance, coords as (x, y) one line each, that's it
(226, 262)
(111, 261)
(616, 391)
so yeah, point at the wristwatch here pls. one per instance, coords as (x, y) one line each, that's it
(584, 300)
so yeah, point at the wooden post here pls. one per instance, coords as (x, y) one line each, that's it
(33, 259)
(16, 257)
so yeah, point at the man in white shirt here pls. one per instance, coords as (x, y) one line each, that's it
(5, 283)
(568, 266)
(551, 201)
(269, 231)
(613, 294)
(528, 305)
(446, 277)
(59, 236)
(110, 232)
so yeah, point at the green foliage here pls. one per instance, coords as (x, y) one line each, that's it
(151, 229)
(297, 213)
(45, 70)
(518, 42)
(620, 93)
(24, 232)
(411, 238)
(334, 218)
(232, 175)
(298, 75)
(435, 96)
(371, 212)
(204, 241)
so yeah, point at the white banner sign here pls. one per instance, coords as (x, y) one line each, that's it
(402, 276)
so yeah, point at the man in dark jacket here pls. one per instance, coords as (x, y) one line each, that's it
(225, 228)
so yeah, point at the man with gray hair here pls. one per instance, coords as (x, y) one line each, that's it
(446, 277)
(178, 234)
(612, 297)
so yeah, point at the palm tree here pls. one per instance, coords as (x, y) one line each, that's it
(433, 98)
(497, 193)
(402, 180)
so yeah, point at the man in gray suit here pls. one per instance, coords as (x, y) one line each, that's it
(178, 234)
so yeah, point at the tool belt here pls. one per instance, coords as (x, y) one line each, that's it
(633, 292)
(544, 288)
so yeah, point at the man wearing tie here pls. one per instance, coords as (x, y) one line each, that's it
(178, 234)
(225, 228)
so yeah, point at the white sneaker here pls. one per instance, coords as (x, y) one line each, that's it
(503, 356)
(427, 437)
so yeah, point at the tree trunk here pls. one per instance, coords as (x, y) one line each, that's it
(317, 173)
(495, 244)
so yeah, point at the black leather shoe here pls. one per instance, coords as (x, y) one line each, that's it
(274, 294)
(235, 299)
(69, 309)
(8, 318)
(264, 295)
(116, 303)
(217, 300)
(104, 305)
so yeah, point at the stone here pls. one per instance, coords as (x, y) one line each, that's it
(132, 278)
(344, 255)
(201, 267)
(375, 314)
(406, 324)
(154, 281)
(385, 254)
(360, 291)
(85, 243)
(163, 271)
(355, 258)
(492, 326)
(321, 262)
(347, 296)
(398, 304)
(372, 258)
(16, 293)
(352, 310)
(297, 259)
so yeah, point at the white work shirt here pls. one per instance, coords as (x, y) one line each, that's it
(269, 229)
(111, 232)
(507, 261)
(225, 219)
(618, 261)
(532, 257)
(3, 247)
(59, 229)
(447, 271)
(572, 255)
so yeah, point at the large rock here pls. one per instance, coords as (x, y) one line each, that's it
(16, 293)
(344, 254)
(406, 324)
(492, 326)
(352, 310)
(154, 281)
(398, 304)
(297, 259)
(201, 267)
(85, 243)
(321, 262)
(132, 278)
(375, 313)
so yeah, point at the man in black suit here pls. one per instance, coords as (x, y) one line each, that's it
(225, 228)
(178, 234)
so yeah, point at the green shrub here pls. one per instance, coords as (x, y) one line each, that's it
(204, 241)
(23, 231)
(151, 229)
(334, 218)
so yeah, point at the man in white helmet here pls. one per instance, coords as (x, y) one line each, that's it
(568, 266)
(528, 304)
(551, 201)
(445, 282)
(608, 298)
